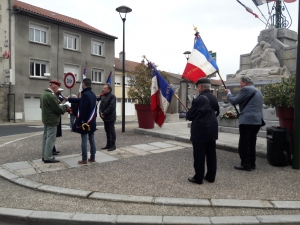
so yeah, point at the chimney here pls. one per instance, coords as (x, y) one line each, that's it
(121, 57)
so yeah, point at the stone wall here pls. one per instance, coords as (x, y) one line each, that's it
(4, 89)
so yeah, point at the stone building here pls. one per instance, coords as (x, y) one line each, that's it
(45, 45)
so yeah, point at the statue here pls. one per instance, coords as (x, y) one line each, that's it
(263, 56)
(265, 64)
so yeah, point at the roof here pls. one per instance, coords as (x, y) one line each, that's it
(22, 6)
(129, 65)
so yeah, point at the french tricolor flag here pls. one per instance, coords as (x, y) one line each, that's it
(200, 63)
(161, 96)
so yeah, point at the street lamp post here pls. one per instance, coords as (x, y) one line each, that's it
(123, 9)
(187, 56)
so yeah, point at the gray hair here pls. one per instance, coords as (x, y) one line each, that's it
(246, 80)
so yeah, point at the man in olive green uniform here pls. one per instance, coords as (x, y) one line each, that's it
(51, 112)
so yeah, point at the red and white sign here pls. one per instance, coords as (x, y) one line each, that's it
(69, 80)
(6, 54)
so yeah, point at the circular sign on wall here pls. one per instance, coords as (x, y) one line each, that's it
(69, 80)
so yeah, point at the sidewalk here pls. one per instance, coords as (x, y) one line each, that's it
(143, 182)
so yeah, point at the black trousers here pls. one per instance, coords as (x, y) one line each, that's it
(202, 151)
(109, 128)
(247, 144)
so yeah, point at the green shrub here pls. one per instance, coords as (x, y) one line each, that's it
(281, 94)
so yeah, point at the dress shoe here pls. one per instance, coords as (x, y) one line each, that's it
(81, 162)
(205, 178)
(104, 148)
(43, 159)
(51, 161)
(111, 148)
(54, 153)
(57, 152)
(240, 167)
(92, 160)
(192, 179)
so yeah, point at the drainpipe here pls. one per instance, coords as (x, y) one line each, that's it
(9, 59)
(57, 52)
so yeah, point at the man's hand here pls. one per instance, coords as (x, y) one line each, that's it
(68, 104)
(101, 115)
(227, 91)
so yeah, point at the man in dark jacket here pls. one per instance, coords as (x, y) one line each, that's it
(204, 132)
(85, 123)
(107, 112)
(51, 112)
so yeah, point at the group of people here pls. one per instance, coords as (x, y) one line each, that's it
(204, 127)
(85, 122)
(203, 114)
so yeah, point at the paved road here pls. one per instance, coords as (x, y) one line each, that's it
(31, 128)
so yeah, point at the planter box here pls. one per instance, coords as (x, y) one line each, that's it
(228, 122)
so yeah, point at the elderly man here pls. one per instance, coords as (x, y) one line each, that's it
(250, 101)
(51, 112)
(204, 132)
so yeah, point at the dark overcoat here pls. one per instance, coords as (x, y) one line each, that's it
(108, 107)
(87, 107)
(203, 114)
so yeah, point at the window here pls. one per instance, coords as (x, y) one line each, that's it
(38, 34)
(189, 86)
(117, 80)
(69, 68)
(97, 75)
(126, 81)
(97, 47)
(38, 68)
(71, 41)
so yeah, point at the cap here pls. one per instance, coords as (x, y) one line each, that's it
(203, 81)
(55, 82)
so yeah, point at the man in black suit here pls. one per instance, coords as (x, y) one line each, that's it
(204, 132)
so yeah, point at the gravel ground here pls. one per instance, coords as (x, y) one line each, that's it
(163, 174)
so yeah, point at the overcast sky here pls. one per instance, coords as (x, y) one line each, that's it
(163, 29)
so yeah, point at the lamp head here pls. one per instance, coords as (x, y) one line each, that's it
(123, 9)
(187, 54)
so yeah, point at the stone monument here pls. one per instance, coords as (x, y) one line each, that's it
(272, 58)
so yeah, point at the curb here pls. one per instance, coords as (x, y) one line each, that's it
(22, 216)
(167, 201)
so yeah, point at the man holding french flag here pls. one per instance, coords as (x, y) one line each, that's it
(203, 113)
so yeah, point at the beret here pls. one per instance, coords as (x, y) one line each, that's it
(55, 82)
(203, 81)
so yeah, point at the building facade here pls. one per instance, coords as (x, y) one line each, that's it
(44, 46)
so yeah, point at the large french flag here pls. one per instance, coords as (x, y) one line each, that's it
(161, 96)
(200, 63)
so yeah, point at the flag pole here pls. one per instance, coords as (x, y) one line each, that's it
(237, 112)
(196, 29)
(186, 109)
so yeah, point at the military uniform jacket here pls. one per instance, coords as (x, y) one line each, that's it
(203, 114)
